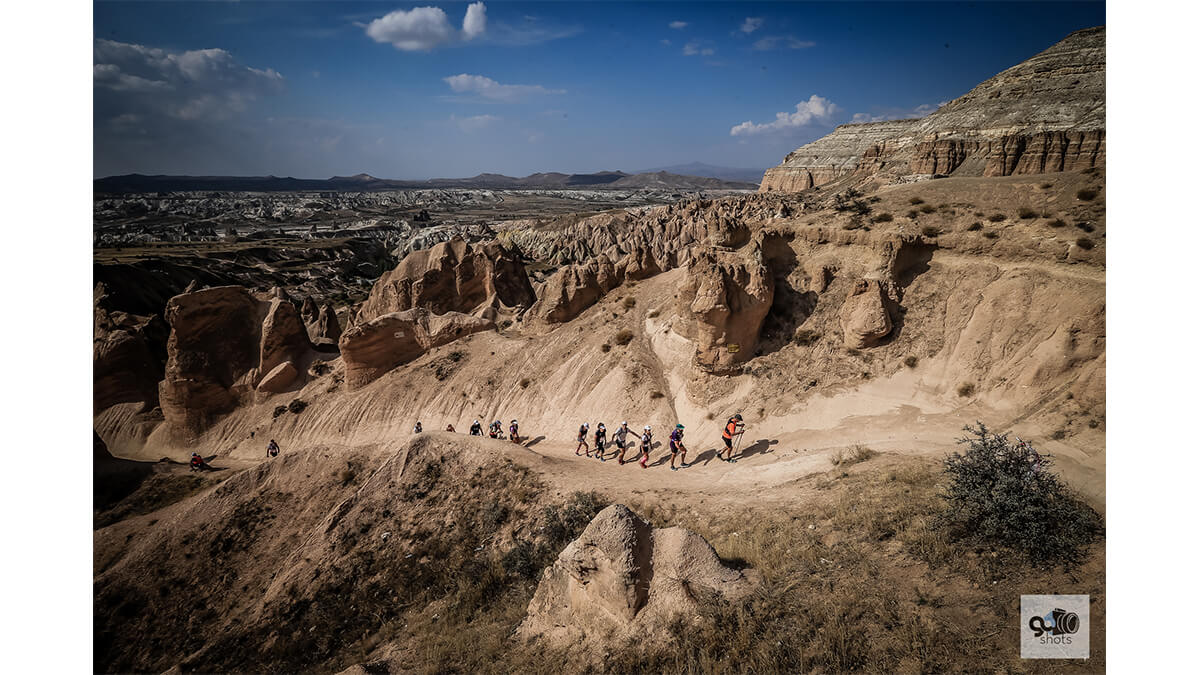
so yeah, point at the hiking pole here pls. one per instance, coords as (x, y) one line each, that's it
(738, 446)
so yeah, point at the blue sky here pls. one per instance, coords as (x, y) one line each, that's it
(423, 90)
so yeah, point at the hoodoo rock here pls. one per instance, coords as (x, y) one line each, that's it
(452, 276)
(324, 325)
(372, 348)
(622, 578)
(124, 366)
(864, 315)
(574, 288)
(638, 264)
(308, 310)
(729, 295)
(279, 378)
(223, 340)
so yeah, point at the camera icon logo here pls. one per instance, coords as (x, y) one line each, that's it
(1055, 627)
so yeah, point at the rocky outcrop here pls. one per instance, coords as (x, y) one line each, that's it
(452, 276)
(574, 288)
(223, 340)
(831, 157)
(864, 315)
(126, 367)
(1043, 115)
(279, 378)
(622, 577)
(638, 264)
(374, 347)
(728, 295)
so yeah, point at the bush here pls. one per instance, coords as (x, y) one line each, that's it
(912, 214)
(1086, 195)
(852, 455)
(975, 226)
(991, 235)
(1002, 494)
(930, 231)
(996, 217)
(623, 337)
(1027, 213)
(883, 218)
(1085, 243)
(629, 302)
(1046, 186)
(966, 389)
(297, 406)
(1057, 222)
(1085, 226)
(605, 347)
(928, 208)
(657, 394)
(910, 361)
(916, 200)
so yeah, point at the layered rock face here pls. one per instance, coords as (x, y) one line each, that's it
(373, 348)
(453, 276)
(864, 315)
(622, 577)
(728, 295)
(833, 156)
(1043, 115)
(223, 341)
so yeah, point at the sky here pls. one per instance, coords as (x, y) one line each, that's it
(439, 89)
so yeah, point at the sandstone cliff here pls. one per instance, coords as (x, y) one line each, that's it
(372, 348)
(1045, 114)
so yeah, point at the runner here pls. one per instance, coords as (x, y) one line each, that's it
(601, 433)
(581, 440)
(272, 449)
(647, 440)
(513, 434)
(619, 438)
(476, 428)
(417, 428)
(678, 448)
(733, 427)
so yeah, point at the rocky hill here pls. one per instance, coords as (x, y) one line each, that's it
(1043, 115)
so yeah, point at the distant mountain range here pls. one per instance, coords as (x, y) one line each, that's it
(710, 171)
(614, 180)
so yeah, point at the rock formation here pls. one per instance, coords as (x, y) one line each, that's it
(374, 347)
(728, 295)
(126, 366)
(223, 340)
(1043, 115)
(622, 577)
(452, 276)
(864, 315)
(574, 288)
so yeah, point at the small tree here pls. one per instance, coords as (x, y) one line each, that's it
(1002, 493)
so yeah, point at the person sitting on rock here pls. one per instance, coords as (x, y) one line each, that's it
(647, 441)
(513, 434)
(272, 449)
(197, 463)
(677, 448)
(581, 440)
(601, 435)
(494, 429)
(417, 428)
(476, 428)
(619, 438)
(450, 427)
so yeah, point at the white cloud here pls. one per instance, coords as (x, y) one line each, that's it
(693, 48)
(423, 28)
(678, 25)
(475, 123)
(492, 90)
(665, 42)
(751, 24)
(816, 109)
(191, 85)
(773, 41)
(475, 21)
(919, 111)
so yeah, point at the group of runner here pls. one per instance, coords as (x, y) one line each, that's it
(734, 427)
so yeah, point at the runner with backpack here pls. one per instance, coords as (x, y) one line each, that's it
(272, 449)
(601, 434)
(647, 441)
(677, 448)
(476, 428)
(734, 427)
(581, 440)
(512, 432)
(619, 438)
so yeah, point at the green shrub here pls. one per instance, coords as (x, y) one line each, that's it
(1001, 493)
